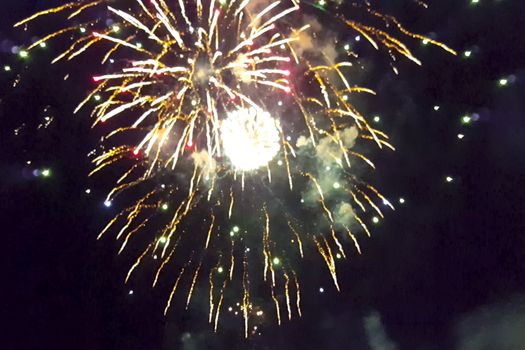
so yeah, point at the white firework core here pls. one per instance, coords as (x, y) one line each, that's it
(250, 138)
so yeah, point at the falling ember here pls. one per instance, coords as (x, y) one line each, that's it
(206, 93)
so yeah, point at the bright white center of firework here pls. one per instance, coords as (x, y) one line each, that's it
(250, 138)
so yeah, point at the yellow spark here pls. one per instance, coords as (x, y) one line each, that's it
(326, 253)
(47, 12)
(287, 295)
(218, 310)
(164, 262)
(356, 200)
(232, 263)
(209, 231)
(322, 200)
(137, 262)
(246, 296)
(299, 242)
(354, 239)
(363, 225)
(51, 36)
(130, 233)
(212, 306)
(297, 294)
(168, 304)
(371, 203)
(231, 204)
(277, 308)
(190, 293)
(336, 240)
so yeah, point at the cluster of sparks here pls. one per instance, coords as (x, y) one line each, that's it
(199, 84)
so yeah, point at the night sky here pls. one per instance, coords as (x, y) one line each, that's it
(446, 270)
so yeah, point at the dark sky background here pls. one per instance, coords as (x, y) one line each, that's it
(445, 271)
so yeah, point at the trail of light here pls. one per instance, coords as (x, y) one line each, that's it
(212, 305)
(287, 295)
(86, 6)
(163, 264)
(246, 296)
(137, 262)
(277, 307)
(298, 238)
(354, 239)
(190, 293)
(47, 12)
(326, 253)
(363, 225)
(209, 231)
(321, 195)
(51, 36)
(297, 294)
(231, 203)
(372, 204)
(135, 22)
(168, 304)
(336, 240)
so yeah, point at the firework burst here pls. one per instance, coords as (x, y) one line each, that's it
(250, 138)
(217, 91)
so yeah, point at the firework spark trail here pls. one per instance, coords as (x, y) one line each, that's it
(199, 83)
(298, 294)
(163, 264)
(287, 295)
(298, 237)
(326, 253)
(245, 295)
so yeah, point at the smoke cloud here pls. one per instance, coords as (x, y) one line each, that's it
(316, 41)
(328, 172)
(204, 162)
(497, 326)
(378, 339)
